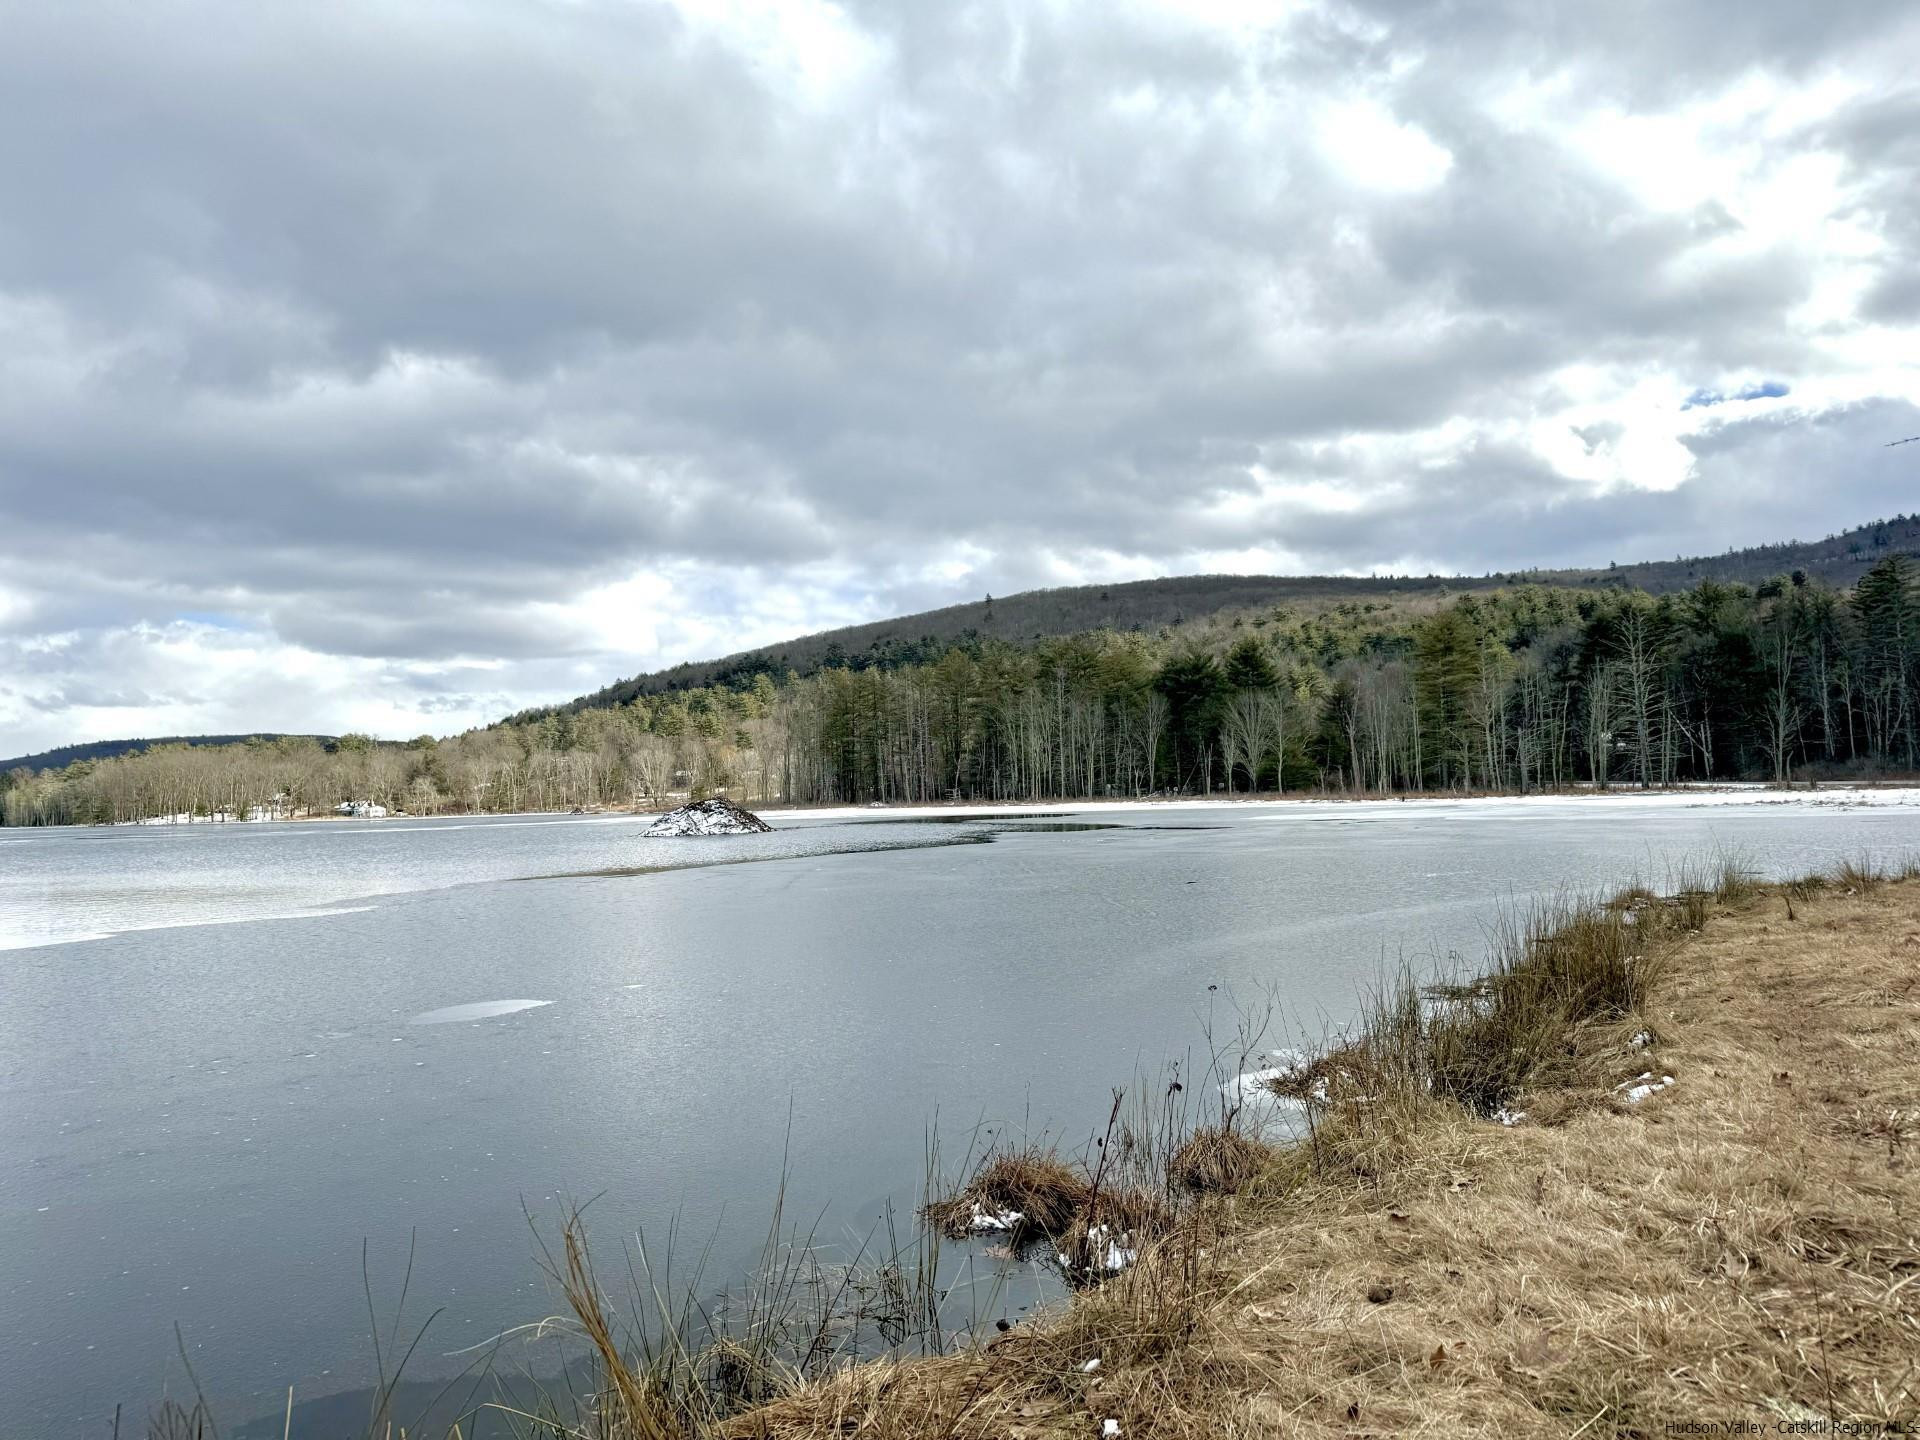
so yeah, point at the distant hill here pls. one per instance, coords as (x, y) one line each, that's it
(105, 749)
(1838, 561)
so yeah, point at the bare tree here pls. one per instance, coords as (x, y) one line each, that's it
(1154, 720)
(1602, 712)
(1783, 712)
(1636, 647)
(1243, 735)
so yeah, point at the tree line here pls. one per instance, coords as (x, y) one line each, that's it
(1518, 689)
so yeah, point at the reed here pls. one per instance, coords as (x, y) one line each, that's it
(1215, 1160)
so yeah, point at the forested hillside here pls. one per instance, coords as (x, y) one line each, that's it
(65, 755)
(1520, 687)
(1148, 605)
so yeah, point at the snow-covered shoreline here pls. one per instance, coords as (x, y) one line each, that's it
(1732, 793)
(1833, 795)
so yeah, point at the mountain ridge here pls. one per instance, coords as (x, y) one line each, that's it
(1032, 615)
(1838, 560)
(62, 756)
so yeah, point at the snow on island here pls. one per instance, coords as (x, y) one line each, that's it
(718, 816)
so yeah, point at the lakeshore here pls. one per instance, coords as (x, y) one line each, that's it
(1731, 1248)
(210, 1021)
(1891, 793)
(1900, 791)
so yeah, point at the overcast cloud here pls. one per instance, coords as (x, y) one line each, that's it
(392, 367)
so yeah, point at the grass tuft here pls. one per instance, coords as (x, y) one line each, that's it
(1032, 1183)
(1107, 1235)
(1859, 874)
(1806, 887)
(1134, 1209)
(1216, 1160)
(1556, 969)
(1735, 878)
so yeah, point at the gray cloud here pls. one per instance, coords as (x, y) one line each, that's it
(492, 349)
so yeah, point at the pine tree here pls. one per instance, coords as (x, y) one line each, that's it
(1248, 666)
(1446, 673)
(1889, 624)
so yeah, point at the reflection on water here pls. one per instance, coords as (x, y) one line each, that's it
(487, 1403)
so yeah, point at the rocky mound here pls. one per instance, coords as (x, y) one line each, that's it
(718, 816)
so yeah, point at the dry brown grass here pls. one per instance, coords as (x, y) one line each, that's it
(634, 1402)
(1032, 1183)
(1744, 1246)
(1556, 972)
(1134, 1209)
(1216, 1161)
(1110, 1232)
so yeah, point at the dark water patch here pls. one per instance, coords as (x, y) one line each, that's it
(863, 848)
(1059, 827)
(487, 1405)
(992, 819)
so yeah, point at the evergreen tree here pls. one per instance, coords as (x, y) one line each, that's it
(1446, 674)
(1195, 689)
(1248, 666)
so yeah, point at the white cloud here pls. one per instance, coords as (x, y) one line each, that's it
(394, 372)
(1372, 149)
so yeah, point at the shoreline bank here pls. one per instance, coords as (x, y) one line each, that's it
(1733, 793)
(1709, 1216)
(1269, 1287)
(1863, 793)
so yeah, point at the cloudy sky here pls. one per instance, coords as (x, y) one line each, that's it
(390, 367)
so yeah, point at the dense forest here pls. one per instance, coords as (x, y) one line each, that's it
(1145, 606)
(65, 755)
(1522, 687)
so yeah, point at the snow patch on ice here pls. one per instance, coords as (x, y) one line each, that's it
(1255, 1083)
(478, 1010)
(1286, 1064)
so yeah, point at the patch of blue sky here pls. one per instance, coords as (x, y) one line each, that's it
(1759, 390)
(212, 618)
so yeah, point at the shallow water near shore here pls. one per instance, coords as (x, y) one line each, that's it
(229, 1055)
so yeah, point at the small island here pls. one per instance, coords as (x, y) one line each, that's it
(717, 816)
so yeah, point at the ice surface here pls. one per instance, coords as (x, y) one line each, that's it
(478, 1010)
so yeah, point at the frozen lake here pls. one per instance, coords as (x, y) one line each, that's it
(229, 1055)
